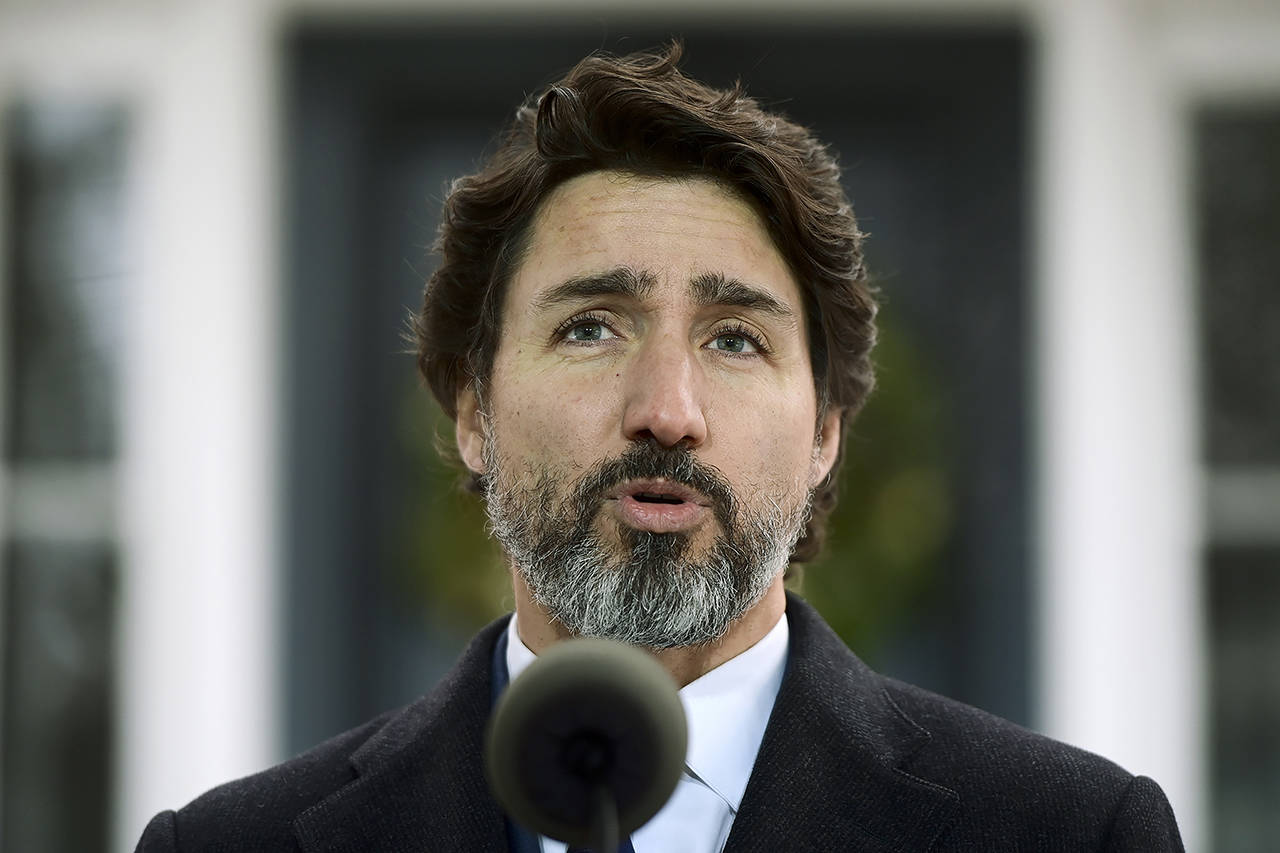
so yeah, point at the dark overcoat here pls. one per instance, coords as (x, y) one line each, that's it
(850, 761)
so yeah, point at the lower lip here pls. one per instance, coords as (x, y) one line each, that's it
(660, 518)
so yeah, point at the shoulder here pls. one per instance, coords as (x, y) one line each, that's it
(1009, 787)
(940, 739)
(256, 812)
(975, 750)
(1020, 782)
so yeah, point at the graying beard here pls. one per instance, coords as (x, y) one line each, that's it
(652, 597)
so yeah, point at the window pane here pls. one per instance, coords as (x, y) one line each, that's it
(58, 662)
(1238, 188)
(1244, 677)
(66, 172)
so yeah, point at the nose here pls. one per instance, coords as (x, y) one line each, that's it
(664, 395)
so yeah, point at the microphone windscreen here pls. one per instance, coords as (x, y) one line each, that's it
(587, 713)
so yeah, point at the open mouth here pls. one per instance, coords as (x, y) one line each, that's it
(660, 506)
(652, 498)
(659, 490)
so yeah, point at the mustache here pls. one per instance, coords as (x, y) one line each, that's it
(650, 460)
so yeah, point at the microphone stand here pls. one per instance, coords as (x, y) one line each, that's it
(604, 819)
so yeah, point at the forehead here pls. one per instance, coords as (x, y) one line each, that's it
(676, 229)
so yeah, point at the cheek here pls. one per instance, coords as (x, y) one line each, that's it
(559, 422)
(790, 456)
(774, 452)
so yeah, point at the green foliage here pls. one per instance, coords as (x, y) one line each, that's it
(451, 563)
(893, 522)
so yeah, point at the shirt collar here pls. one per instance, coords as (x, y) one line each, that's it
(518, 655)
(727, 709)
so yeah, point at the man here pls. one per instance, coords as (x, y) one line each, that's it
(651, 325)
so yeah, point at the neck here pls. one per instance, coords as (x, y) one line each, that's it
(539, 632)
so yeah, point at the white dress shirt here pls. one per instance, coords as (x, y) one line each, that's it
(727, 710)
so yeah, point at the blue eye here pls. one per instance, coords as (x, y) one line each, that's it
(587, 330)
(735, 343)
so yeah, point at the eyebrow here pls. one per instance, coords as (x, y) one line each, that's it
(706, 288)
(714, 289)
(620, 281)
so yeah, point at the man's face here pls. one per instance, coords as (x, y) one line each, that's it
(648, 431)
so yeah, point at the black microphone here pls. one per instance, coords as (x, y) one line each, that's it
(588, 743)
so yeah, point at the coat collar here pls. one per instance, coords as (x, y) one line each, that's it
(420, 780)
(830, 768)
(829, 775)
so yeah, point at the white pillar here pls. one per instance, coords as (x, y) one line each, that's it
(198, 645)
(1121, 636)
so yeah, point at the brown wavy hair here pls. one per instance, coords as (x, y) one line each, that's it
(639, 114)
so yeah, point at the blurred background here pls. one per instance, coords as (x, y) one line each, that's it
(227, 535)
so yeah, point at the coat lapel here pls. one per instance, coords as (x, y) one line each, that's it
(829, 773)
(420, 784)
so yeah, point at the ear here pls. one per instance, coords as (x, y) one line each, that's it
(469, 428)
(825, 458)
